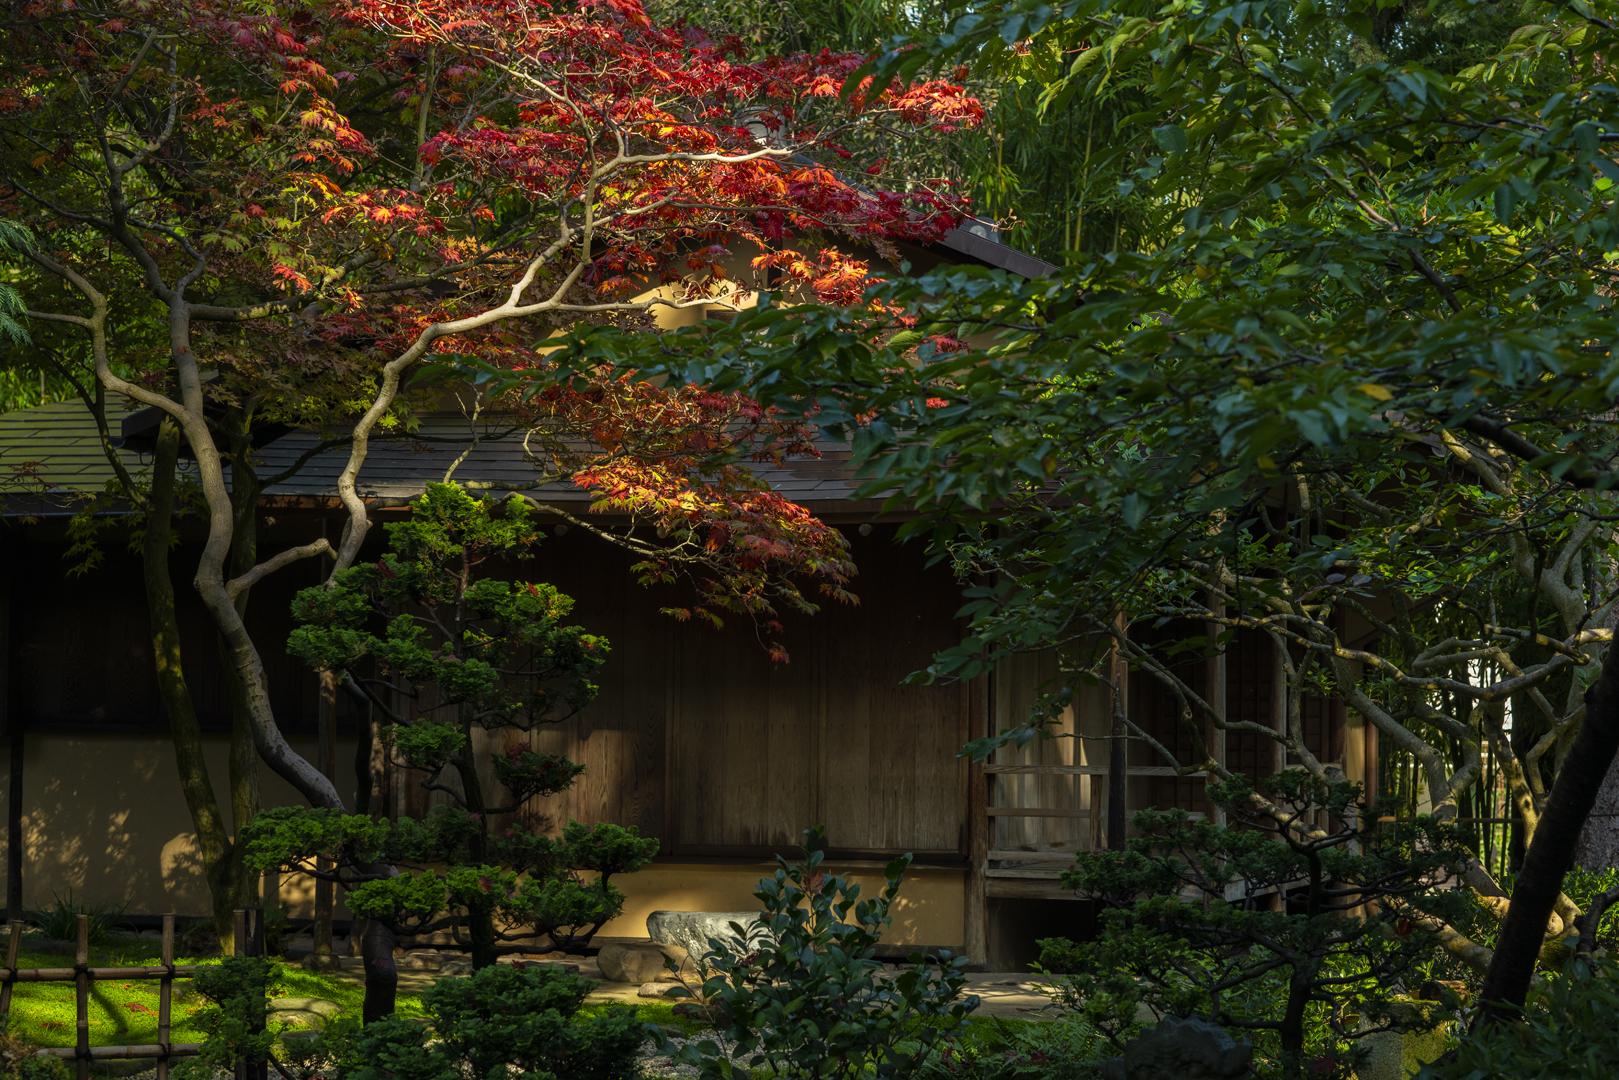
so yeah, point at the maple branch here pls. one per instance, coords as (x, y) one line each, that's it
(395, 369)
(236, 586)
(152, 146)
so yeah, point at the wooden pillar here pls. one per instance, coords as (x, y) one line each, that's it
(14, 836)
(975, 907)
(1278, 705)
(1216, 698)
(81, 980)
(1118, 750)
(326, 762)
(15, 842)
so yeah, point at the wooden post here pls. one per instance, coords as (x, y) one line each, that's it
(326, 762)
(975, 909)
(165, 993)
(1118, 750)
(14, 836)
(250, 942)
(1278, 705)
(269, 898)
(13, 728)
(81, 980)
(1216, 699)
(12, 948)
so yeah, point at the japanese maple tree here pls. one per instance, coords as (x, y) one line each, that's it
(334, 194)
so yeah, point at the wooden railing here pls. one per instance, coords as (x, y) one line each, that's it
(81, 974)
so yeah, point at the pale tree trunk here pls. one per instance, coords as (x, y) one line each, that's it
(220, 858)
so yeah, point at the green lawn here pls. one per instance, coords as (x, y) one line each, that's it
(126, 1012)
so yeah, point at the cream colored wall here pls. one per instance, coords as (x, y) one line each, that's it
(928, 911)
(103, 816)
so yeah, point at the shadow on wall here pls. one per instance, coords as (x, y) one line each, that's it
(103, 815)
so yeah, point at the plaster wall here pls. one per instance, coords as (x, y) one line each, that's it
(103, 816)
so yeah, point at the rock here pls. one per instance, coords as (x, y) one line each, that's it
(459, 965)
(1181, 1049)
(663, 990)
(637, 962)
(691, 930)
(421, 960)
(1395, 1055)
(321, 962)
(310, 1012)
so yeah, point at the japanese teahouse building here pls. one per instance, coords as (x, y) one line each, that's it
(697, 737)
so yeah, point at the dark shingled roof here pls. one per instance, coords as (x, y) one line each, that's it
(60, 441)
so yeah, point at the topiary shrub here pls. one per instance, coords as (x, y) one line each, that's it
(426, 624)
(500, 1022)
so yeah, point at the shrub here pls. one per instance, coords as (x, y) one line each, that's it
(502, 1021)
(800, 994)
(1306, 986)
(60, 921)
(1018, 1049)
(1569, 1031)
(237, 990)
(20, 1060)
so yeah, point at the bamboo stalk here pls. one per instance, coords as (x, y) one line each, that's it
(239, 926)
(17, 975)
(148, 1050)
(81, 965)
(12, 948)
(164, 993)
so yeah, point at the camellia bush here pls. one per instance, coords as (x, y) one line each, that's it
(472, 656)
(800, 993)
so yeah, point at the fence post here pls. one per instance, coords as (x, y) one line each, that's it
(81, 979)
(165, 990)
(11, 973)
(250, 942)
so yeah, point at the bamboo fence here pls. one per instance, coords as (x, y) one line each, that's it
(81, 974)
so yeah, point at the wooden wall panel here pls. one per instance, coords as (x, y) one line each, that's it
(696, 737)
(835, 736)
(81, 644)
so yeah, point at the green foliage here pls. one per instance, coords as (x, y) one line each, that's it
(1306, 984)
(60, 921)
(421, 618)
(21, 1060)
(471, 651)
(802, 995)
(17, 238)
(1013, 1050)
(503, 1019)
(1356, 368)
(1567, 1033)
(560, 885)
(236, 1022)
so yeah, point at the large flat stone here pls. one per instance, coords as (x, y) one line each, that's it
(638, 962)
(691, 930)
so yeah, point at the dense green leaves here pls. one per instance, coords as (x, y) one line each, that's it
(428, 625)
(800, 993)
(500, 1020)
(1308, 977)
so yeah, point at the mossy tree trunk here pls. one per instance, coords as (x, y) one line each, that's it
(220, 859)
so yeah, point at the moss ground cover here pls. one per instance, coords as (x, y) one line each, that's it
(125, 1012)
